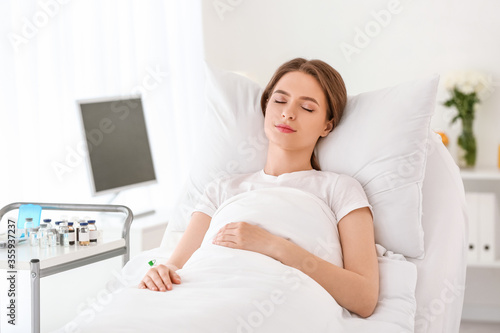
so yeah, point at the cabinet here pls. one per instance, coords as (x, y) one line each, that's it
(482, 187)
(482, 292)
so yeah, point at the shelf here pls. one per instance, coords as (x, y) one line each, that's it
(59, 255)
(492, 264)
(480, 174)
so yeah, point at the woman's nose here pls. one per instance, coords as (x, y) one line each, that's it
(287, 113)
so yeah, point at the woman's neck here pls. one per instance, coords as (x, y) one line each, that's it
(280, 161)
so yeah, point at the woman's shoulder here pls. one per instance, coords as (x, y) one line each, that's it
(339, 179)
(327, 175)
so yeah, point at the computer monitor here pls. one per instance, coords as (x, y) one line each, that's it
(119, 154)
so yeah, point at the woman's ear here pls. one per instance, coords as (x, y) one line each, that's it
(328, 128)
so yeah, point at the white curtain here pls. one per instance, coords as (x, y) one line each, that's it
(54, 52)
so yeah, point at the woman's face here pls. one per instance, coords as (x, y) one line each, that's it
(296, 112)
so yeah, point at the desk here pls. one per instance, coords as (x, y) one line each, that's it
(35, 263)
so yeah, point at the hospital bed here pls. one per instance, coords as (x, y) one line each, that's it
(441, 273)
(422, 266)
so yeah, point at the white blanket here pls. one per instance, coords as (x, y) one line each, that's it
(228, 290)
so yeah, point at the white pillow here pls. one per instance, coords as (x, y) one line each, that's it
(387, 129)
(382, 141)
(232, 139)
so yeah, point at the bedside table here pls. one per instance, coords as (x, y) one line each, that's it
(33, 263)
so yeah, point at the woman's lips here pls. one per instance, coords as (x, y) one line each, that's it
(285, 128)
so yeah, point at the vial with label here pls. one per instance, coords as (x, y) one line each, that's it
(42, 236)
(92, 232)
(64, 219)
(71, 233)
(64, 234)
(80, 221)
(51, 233)
(28, 225)
(51, 237)
(76, 225)
(84, 238)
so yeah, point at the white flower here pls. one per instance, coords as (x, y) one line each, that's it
(467, 82)
(466, 87)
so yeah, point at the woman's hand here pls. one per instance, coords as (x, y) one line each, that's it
(246, 236)
(160, 278)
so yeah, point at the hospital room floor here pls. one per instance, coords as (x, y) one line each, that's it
(479, 327)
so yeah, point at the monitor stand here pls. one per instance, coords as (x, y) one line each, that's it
(138, 212)
(144, 213)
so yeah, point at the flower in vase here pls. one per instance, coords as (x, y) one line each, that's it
(465, 87)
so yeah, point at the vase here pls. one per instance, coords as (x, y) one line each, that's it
(467, 145)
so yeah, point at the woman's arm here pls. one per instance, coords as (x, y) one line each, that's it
(191, 239)
(161, 277)
(355, 287)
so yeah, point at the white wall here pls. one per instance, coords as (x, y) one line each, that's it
(63, 52)
(418, 38)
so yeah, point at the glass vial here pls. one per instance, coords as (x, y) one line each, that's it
(92, 232)
(58, 233)
(51, 233)
(42, 236)
(33, 236)
(28, 226)
(84, 238)
(52, 237)
(76, 225)
(64, 234)
(48, 222)
(71, 234)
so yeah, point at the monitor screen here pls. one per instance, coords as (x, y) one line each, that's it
(119, 155)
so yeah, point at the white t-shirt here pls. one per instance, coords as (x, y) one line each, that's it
(341, 193)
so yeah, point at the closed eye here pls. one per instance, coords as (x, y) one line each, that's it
(279, 102)
(309, 110)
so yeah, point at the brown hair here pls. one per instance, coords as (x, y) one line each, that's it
(328, 78)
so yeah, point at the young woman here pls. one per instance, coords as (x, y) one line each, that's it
(303, 102)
